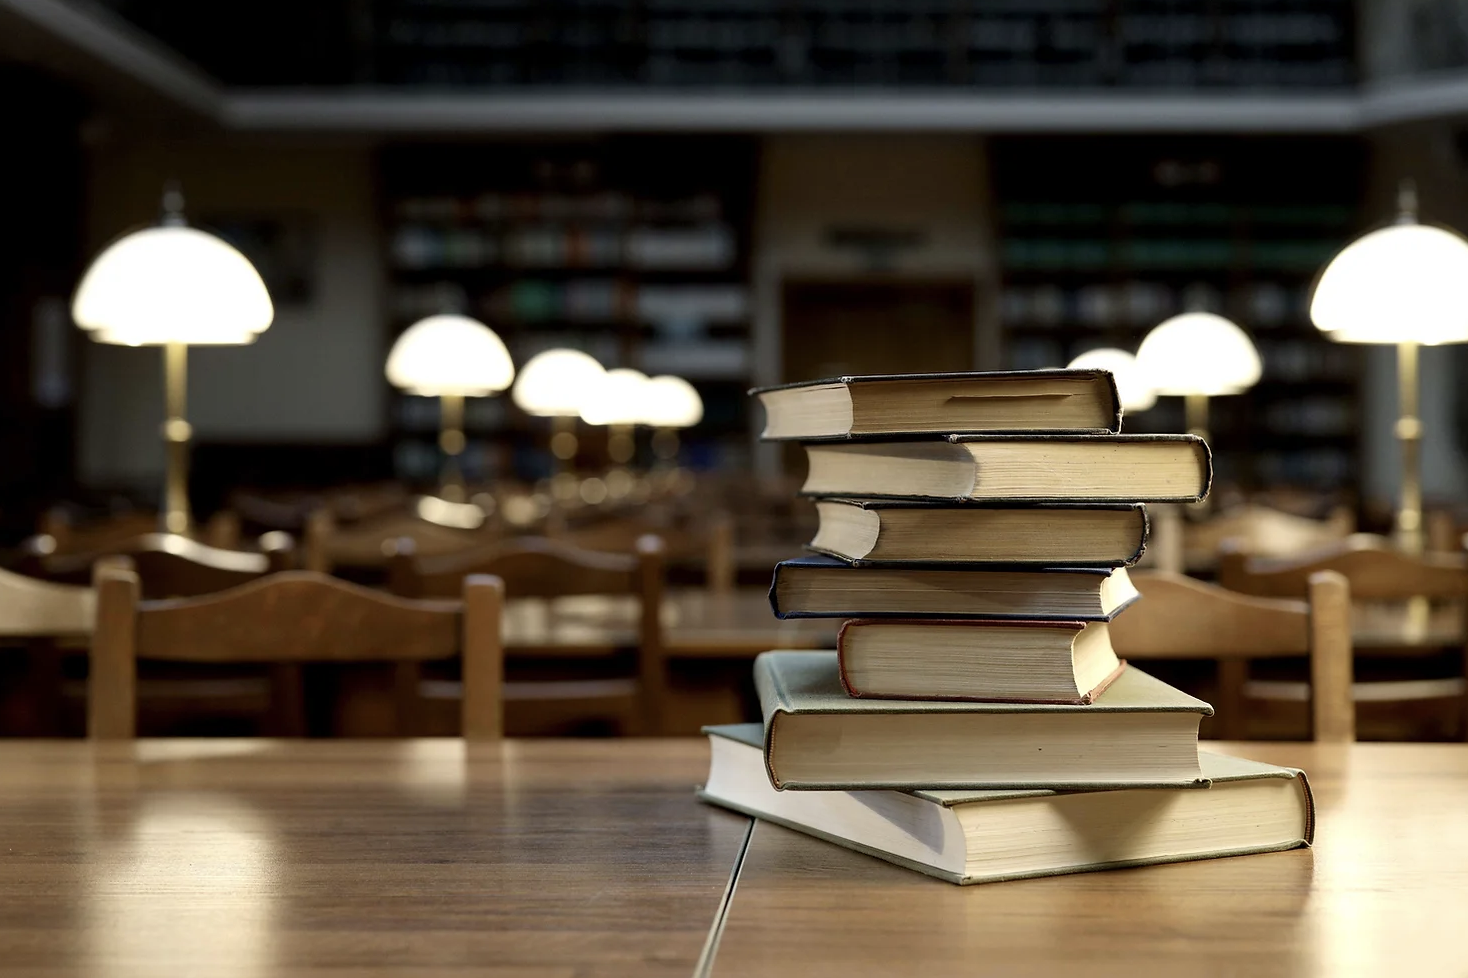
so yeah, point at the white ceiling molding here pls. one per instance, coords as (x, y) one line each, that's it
(93, 32)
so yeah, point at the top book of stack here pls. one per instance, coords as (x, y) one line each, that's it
(888, 405)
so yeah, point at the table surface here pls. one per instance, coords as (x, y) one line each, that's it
(562, 858)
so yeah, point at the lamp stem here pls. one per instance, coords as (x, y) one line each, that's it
(1409, 433)
(451, 440)
(176, 435)
(1195, 411)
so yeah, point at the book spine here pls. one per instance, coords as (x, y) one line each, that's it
(841, 660)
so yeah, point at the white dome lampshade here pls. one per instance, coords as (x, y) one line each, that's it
(1198, 353)
(172, 284)
(618, 398)
(672, 402)
(555, 383)
(1136, 393)
(1407, 283)
(450, 355)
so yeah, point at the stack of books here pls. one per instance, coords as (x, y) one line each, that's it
(975, 722)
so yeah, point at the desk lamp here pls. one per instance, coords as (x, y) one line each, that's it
(671, 403)
(618, 401)
(555, 384)
(1404, 284)
(173, 286)
(450, 357)
(1198, 355)
(1135, 390)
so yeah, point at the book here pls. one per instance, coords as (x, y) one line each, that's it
(817, 586)
(988, 836)
(1139, 732)
(865, 531)
(942, 403)
(998, 661)
(1029, 468)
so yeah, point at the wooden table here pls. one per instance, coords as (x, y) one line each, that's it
(1384, 892)
(540, 858)
(417, 858)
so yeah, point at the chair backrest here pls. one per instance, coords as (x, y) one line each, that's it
(709, 542)
(32, 608)
(370, 543)
(59, 535)
(1194, 544)
(293, 616)
(173, 566)
(1179, 617)
(1375, 572)
(537, 567)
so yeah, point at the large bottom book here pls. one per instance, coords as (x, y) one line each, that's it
(986, 836)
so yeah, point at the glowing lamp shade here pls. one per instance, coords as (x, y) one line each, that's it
(1136, 393)
(172, 285)
(1198, 353)
(447, 355)
(671, 402)
(1403, 283)
(556, 383)
(618, 398)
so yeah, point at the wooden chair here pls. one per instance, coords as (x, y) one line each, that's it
(329, 545)
(169, 565)
(1180, 544)
(65, 536)
(1180, 618)
(295, 616)
(1384, 583)
(708, 543)
(42, 617)
(535, 567)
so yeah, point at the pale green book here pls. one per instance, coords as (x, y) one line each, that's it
(987, 836)
(1139, 732)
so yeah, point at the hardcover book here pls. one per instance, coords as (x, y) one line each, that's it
(867, 531)
(998, 661)
(987, 836)
(914, 404)
(1016, 468)
(1138, 732)
(823, 587)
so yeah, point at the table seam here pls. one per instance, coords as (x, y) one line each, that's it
(705, 965)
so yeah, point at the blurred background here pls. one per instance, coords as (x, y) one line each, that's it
(732, 192)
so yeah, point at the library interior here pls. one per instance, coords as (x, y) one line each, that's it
(589, 488)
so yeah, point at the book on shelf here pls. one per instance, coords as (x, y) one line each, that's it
(1015, 468)
(907, 404)
(898, 532)
(818, 586)
(987, 661)
(987, 836)
(1138, 732)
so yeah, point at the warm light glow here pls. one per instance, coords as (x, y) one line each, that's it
(1198, 353)
(618, 397)
(556, 383)
(672, 402)
(172, 285)
(450, 355)
(1404, 283)
(1136, 393)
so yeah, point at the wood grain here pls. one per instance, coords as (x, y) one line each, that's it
(240, 859)
(33, 608)
(1179, 617)
(1383, 892)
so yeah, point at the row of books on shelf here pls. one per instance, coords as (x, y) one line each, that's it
(647, 247)
(975, 722)
(1138, 302)
(585, 300)
(609, 206)
(1179, 253)
(1190, 214)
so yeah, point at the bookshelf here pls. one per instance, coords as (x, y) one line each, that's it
(634, 250)
(1097, 254)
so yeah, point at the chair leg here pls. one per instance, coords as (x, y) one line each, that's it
(287, 699)
(1232, 675)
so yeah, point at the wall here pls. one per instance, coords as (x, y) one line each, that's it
(934, 188)
(314, 376)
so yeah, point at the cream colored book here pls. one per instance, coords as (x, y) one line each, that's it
(1016, 468)
(987, 836)
(1140, 731)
